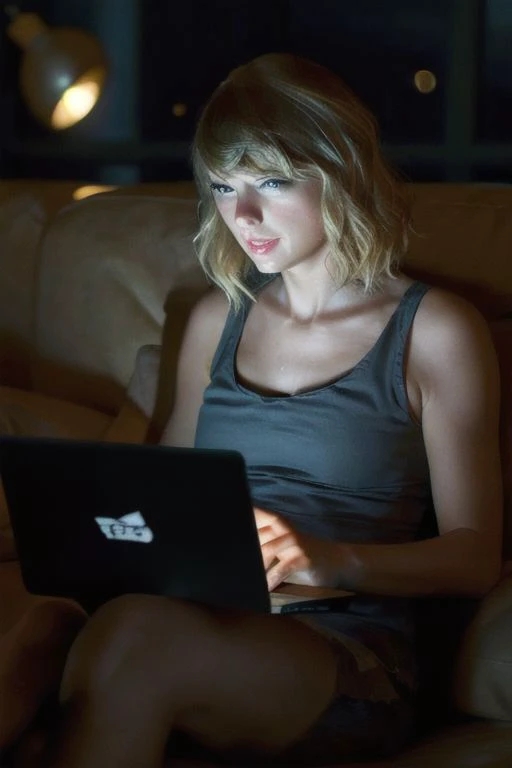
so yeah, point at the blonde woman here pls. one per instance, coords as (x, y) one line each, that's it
(357, 397)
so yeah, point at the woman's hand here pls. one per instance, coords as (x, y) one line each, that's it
(295, 557)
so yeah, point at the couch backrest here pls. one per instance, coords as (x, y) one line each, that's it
(22, 219)
(96, 288)
(107, 265)
(463, 240)
(30, 208)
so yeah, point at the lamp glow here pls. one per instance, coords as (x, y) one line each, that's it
(62, 72)
(76, 102)
(91, 189)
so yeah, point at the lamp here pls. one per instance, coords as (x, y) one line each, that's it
(63, 70)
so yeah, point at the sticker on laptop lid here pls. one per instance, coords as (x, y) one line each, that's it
(131, 527)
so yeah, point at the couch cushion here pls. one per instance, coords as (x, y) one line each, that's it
(107, 251)
(21, 224)
(470, 745)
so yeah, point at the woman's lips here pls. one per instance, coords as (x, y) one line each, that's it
(261, 247)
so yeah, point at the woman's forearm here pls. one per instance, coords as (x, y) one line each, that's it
(454, 563)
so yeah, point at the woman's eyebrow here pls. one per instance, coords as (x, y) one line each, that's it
(217, 179)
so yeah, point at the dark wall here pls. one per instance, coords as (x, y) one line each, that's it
(165, 54)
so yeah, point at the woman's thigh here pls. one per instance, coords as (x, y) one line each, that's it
(225, 678)
(370, 716)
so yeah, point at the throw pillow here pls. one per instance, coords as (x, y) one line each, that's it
(483, 671)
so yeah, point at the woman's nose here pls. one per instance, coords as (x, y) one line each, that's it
(248, 211)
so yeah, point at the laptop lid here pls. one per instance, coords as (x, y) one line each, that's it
(94, 520)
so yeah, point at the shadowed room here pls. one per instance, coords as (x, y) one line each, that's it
(101, 267)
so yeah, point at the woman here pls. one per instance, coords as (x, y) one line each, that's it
(357, 396)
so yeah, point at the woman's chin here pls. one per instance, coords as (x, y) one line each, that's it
(265, 265)
(266, 269)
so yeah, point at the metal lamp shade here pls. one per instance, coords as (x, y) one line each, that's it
(62, 75)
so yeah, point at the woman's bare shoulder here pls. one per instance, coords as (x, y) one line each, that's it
(449, 332)
(445, 315)
(209, 314)
(202, 336)
(204, 330)
(212, 303)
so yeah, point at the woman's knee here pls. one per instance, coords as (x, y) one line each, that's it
(129, 621)
(127, 633)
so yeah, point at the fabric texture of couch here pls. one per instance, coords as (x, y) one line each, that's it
(94, 296)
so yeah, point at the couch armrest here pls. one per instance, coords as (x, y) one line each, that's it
(483, 672)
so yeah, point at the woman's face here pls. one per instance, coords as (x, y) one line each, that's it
(278, 222)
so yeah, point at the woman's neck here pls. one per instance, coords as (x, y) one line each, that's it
(306, 298)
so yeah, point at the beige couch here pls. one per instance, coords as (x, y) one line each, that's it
(89, 291)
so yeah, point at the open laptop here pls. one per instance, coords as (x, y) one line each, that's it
(94, 520)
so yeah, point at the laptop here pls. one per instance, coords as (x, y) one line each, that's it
(93, 521)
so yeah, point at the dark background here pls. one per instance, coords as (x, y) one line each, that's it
(168, 52)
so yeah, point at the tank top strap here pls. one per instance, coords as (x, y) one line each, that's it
(408, 307)
(406, 315)
(230, 336)
(235, 321)
(386, 360)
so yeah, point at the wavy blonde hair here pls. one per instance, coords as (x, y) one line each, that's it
(287, 116)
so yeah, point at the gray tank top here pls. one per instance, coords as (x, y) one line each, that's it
(345, 461)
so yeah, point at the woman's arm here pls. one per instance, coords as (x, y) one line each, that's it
(200, 341)
(452, 360)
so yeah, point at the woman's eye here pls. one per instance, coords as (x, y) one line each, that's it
(275, 183)
(220, 189)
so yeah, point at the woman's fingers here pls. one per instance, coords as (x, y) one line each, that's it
(281, 557)
(281, 549)
(265, 535)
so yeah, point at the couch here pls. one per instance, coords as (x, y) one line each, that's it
(94, 296)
